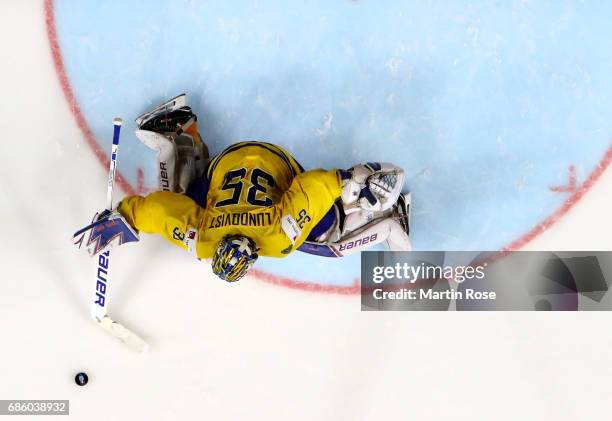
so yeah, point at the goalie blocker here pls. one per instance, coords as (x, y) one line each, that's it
(108, 228)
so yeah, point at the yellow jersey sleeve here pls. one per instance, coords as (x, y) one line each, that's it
(165, 213)
(306, 202)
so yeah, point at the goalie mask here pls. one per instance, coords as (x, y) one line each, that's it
(234, 257)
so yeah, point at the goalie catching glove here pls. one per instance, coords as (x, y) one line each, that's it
(107, 229)
(371, 187)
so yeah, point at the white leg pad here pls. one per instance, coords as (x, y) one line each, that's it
(377, 231)
(186, 165)
(398, 240)
(166, 157)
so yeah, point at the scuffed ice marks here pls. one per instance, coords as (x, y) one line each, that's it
(327, 127)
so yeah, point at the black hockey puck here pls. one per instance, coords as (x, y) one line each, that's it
(81, 379)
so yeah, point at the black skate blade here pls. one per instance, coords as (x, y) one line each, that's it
(404, 203)
(168, 106)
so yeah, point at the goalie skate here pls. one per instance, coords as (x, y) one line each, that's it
(165, 108)
(402, 210)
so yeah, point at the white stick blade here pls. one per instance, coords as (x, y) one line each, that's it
(129, 338)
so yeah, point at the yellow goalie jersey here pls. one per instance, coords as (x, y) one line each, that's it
(256, 190)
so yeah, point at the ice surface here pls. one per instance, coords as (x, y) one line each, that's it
(485, 105)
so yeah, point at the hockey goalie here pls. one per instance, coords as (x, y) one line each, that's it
(252, 199)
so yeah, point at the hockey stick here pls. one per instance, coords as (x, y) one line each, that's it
(99, 304)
